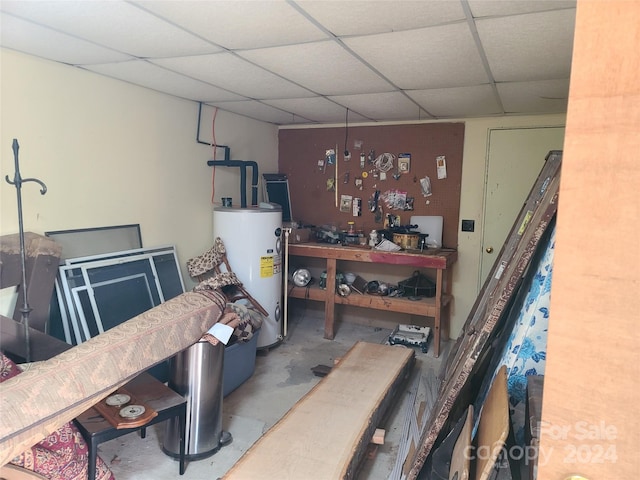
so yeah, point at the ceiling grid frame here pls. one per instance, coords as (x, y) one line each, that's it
(382, 42)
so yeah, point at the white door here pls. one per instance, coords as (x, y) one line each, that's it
(514, 161)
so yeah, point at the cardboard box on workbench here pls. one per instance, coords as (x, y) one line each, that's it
(300, 235)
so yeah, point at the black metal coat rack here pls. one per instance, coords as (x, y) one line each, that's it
(17, 182)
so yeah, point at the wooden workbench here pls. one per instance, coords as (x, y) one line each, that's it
(435, 307)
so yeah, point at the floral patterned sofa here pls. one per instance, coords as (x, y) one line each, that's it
(62, 455)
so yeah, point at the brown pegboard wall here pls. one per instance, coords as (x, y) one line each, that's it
(301, 149)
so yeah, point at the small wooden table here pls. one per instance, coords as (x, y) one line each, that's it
(145, 388)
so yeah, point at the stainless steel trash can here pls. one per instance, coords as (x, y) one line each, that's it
(196, 373)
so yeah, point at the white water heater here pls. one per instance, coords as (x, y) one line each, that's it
(253, 240)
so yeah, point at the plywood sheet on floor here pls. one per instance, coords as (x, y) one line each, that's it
(326, 432)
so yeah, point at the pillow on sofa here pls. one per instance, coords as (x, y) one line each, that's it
(63, 455)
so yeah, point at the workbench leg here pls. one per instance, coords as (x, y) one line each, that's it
(438, 317)
(330, 303)
(436, 334)
(445, 320)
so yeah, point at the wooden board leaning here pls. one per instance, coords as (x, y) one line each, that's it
(492, 301)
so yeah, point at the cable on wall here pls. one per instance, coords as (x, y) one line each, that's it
(346, 135)
(214, 145)
(384, 162)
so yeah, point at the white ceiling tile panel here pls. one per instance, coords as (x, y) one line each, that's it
(317, 109)
(323, 67)
(291, 53)
(143, 73)
(358, 17)
(260, 111)
(234, 74)
(240, 24)
(114, 24)
(432, 57)
(478, 100)
(491, 8)
(32, 39)
(535, 46)
(381, 106)
(544, 96)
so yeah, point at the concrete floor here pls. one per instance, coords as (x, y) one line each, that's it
(282, 376)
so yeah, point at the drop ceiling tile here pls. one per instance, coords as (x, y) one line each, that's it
(323, 67)
(235, 74)
(364, 17)
(536, 46)
(478, 100)
(260, 111)
(544, 96)
(32, 39)
(497, 8)
(435, 57)
(317, 109)
(145, 74)
(113, 24)
(240, 24)
(383, 45)
(381, 106)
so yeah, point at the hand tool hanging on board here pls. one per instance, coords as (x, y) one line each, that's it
(373, 201)
(18, 181)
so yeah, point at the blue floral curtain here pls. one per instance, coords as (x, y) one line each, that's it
(525, 351)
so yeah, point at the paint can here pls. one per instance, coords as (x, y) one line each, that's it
(408, 241)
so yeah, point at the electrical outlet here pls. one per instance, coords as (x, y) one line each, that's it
(468, 225)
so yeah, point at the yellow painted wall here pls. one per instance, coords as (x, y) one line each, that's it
(112, 153)
(467, 271)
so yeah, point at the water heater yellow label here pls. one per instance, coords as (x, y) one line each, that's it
(266, 267)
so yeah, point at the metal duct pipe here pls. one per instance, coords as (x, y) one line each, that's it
(243, 164)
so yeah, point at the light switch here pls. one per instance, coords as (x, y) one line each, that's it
(468, 225)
